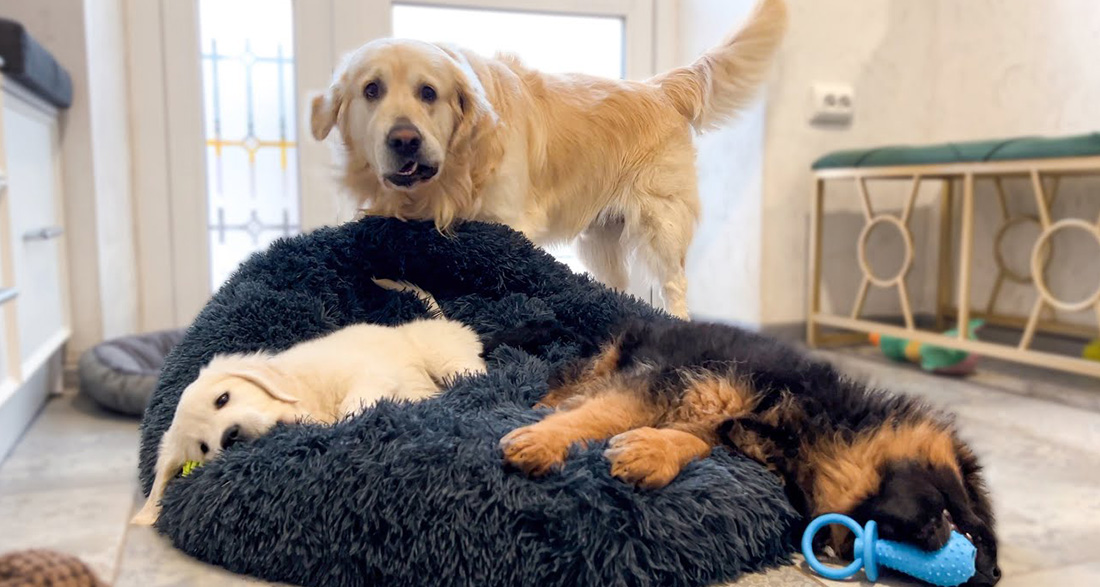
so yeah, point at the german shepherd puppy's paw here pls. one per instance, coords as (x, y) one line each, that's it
(536, 450)
(650, 457)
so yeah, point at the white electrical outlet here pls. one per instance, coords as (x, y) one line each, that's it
(832, 103)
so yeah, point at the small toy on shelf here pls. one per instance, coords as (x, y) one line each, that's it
(947, 567)
(935, 359)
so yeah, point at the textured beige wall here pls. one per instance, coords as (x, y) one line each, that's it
(882, 50)
(922, 70)
(1018, 67)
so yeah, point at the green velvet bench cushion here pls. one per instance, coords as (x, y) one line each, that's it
(971, 152)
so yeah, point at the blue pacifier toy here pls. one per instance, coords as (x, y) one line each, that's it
(949, 566)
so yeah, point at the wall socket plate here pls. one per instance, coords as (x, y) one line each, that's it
(832, 103)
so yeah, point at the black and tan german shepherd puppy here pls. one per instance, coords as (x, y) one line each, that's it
(666, 393)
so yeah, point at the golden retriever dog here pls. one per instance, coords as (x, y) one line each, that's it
(239, 397)
(439, 133)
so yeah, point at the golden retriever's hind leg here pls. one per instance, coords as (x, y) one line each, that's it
(674, 289)
(541, 447)
(652, 457)
(665, 230)
(601, 250)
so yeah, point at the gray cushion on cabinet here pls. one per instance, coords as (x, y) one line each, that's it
(30, 64)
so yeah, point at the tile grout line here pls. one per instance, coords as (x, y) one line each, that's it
(116, 572)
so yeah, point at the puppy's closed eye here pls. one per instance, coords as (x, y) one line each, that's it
(221, 401)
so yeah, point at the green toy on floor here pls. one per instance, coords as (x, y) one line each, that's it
(1092, 351)
(931, 358)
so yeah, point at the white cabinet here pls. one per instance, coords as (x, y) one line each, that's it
(34, 315)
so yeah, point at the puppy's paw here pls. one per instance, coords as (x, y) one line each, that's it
(535, 450)
(643, 457)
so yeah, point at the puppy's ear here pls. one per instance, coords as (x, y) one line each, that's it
(170, 459)
(259, 371)
(323, 111)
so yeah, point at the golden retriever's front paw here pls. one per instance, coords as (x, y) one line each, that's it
(643, 457)
(534, 450)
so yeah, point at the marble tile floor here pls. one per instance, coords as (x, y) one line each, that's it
(70, 483)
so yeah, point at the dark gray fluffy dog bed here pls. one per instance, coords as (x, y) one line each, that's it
(412, 494)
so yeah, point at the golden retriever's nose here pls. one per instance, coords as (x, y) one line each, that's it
(231, 436)
(404, 139)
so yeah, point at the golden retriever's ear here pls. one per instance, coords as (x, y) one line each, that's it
(474, 109)
(170, 459)
(323, 110)
(259, 371)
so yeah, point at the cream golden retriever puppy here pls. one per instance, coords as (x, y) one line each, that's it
(440, 133)
(240, 397)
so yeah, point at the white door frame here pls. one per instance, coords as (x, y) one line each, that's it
(166, 99)
(637, 15)
(169, 165)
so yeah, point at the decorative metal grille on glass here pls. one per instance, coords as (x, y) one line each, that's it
(249, 107)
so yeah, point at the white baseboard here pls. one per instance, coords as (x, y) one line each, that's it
(21, 402)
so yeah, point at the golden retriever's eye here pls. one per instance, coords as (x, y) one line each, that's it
(427, 93)
(205, 449)
(221, 401)
(372, 91)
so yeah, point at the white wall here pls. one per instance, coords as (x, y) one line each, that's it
(923, 71)
(95, 161)
(723, 265)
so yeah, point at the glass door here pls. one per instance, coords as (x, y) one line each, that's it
(249, 110)
(596, 47)
(236, 72)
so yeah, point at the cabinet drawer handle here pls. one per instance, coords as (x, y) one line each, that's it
(8, 294)
(43, 234)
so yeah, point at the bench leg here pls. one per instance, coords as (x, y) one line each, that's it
(813, 277)
(966, 255)
(946, 253)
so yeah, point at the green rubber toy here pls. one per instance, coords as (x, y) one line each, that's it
(931, 358)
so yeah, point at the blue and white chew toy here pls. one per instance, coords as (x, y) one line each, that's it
(949, 566)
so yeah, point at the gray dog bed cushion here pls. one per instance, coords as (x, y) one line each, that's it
(416, 494)
(121, 374)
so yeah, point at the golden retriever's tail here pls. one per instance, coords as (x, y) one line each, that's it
(723, 80)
